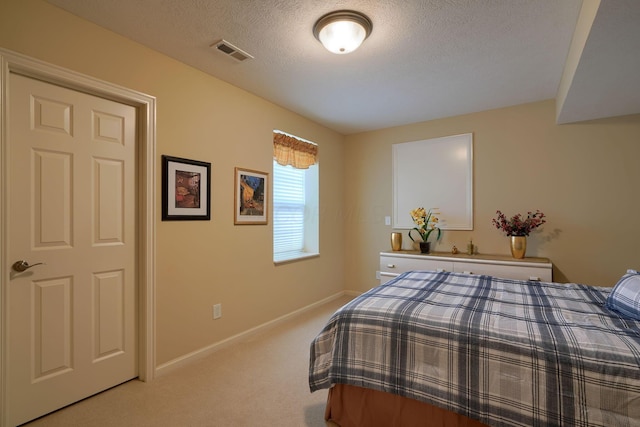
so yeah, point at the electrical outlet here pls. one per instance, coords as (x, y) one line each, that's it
(378, 275)
(387, 220)
(217, 311)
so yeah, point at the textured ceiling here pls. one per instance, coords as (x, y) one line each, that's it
(425, 59)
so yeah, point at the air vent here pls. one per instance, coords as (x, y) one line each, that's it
(232, 51)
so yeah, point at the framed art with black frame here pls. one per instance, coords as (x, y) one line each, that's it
(186, 189)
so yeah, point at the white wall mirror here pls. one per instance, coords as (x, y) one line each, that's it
(434, 173)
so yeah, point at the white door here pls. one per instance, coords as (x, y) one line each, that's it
(71, 324)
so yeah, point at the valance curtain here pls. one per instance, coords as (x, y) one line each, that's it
(288, 150)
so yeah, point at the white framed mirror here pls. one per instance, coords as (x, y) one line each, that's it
(435, 174)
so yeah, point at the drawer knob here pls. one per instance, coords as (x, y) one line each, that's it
(391, 265)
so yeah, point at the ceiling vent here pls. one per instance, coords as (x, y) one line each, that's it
(232, 51)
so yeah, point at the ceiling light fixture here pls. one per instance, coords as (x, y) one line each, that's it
(342, 31)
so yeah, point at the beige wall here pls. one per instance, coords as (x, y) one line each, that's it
(199, 117)
(585, 177)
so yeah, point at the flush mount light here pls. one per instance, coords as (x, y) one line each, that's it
(342, 31)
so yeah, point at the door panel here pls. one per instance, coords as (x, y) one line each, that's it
(109, 334)
(109, 202)
(72, 321)
(52, 335)
(51, 178)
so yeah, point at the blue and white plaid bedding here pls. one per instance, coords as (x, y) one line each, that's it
(504, 352)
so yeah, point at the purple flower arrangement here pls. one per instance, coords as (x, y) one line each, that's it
(518, 225)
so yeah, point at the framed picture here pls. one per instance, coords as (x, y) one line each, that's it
(251, 198)
(186, 189)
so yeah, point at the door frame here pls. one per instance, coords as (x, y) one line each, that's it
(11, 62)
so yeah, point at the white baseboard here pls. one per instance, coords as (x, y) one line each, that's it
(206, 351)
(351, 293)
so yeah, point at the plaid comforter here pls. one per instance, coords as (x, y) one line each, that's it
(505, 352)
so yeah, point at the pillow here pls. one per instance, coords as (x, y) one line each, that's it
(625, 297)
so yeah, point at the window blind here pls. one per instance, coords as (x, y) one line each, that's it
(288, 210)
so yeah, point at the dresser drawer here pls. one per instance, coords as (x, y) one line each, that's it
(520, 272)
(394, 263)
(399, 265)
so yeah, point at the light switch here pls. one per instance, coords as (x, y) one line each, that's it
(387, 220)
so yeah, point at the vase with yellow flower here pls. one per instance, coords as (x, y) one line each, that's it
(426, 223)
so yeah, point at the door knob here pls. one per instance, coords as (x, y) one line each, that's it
(23, 265)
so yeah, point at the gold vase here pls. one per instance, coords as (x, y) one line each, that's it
(396, 241)
(518, 246)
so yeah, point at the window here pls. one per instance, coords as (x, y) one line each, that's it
(295, 212)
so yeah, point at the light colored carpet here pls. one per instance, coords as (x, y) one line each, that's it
(261, 381)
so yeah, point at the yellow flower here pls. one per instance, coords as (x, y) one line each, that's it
(425, 222)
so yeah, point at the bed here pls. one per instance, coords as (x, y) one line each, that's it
(447, 349)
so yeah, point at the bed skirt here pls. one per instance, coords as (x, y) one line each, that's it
(352, 406)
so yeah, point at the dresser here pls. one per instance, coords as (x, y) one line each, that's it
(393, 263)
